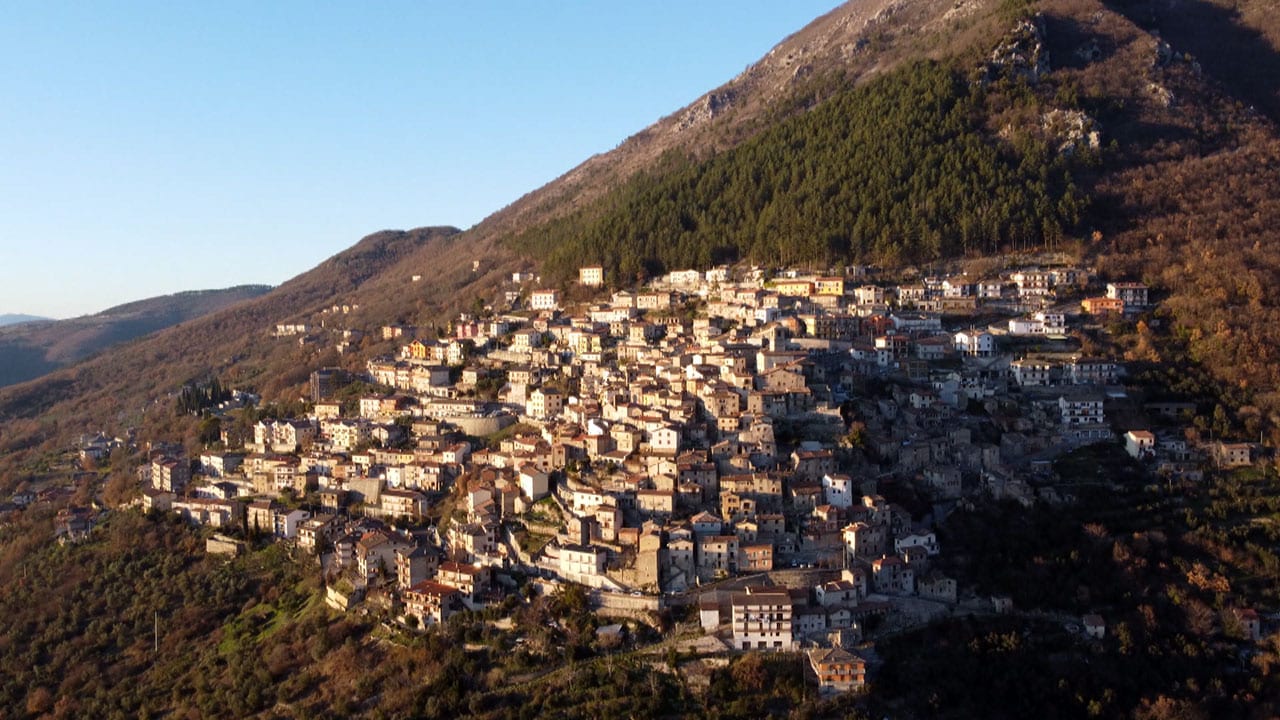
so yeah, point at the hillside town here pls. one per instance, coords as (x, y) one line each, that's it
(769, 454)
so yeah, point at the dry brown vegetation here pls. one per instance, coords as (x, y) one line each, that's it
(30, 350)
(1188, 202)
(133, 385)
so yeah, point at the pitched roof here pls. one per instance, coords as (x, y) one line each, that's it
(832, 656)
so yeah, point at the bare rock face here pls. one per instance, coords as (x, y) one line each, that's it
(1161, 94)
(960, 10)
(707, 107)
(1022, 54)
(1071, 130)
(847, 38)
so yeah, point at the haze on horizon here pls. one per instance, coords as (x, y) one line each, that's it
(152, 148)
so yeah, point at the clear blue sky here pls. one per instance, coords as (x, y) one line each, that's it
(149, 148)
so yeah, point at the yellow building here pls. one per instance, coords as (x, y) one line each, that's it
(794, 288)
(829, 286)
(419, 350)
(1102, 306)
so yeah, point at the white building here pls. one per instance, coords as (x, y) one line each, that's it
(990, 289)
(217, 464)
(1140, 444)
(665, 440)
(717, 275)
(975, 343)
(1041, 323)
(345, 435)
(525, 340)
(684, 278)
(1033, 283)
(869, 295)
(1031, 372)
(1134, 294)
(583, 564)
(544, 300)
(918, 538)
(1052, 323)
(534, 483)
(1083, 409)
(837, 490)
(762, 619)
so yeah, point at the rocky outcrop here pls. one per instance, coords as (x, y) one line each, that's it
(1070, 131)
(1023, 54)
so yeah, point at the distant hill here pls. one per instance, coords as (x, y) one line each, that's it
(116, 388)
(31, 348)
(18, 319)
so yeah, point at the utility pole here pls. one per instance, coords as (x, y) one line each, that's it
(156, 633)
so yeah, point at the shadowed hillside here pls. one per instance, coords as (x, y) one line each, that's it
(116, 388)
(1235, 41)
(34, 348)
(1188, 202)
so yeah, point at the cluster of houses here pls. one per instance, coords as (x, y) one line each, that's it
(690, 443)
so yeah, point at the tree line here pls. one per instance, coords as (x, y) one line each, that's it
(901, 169)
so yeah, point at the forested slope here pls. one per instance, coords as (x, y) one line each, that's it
(901, 169)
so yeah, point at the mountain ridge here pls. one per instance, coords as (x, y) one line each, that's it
(838, 33)
(118, 387)
(35, 347)
(19, 318)
(143, 305)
